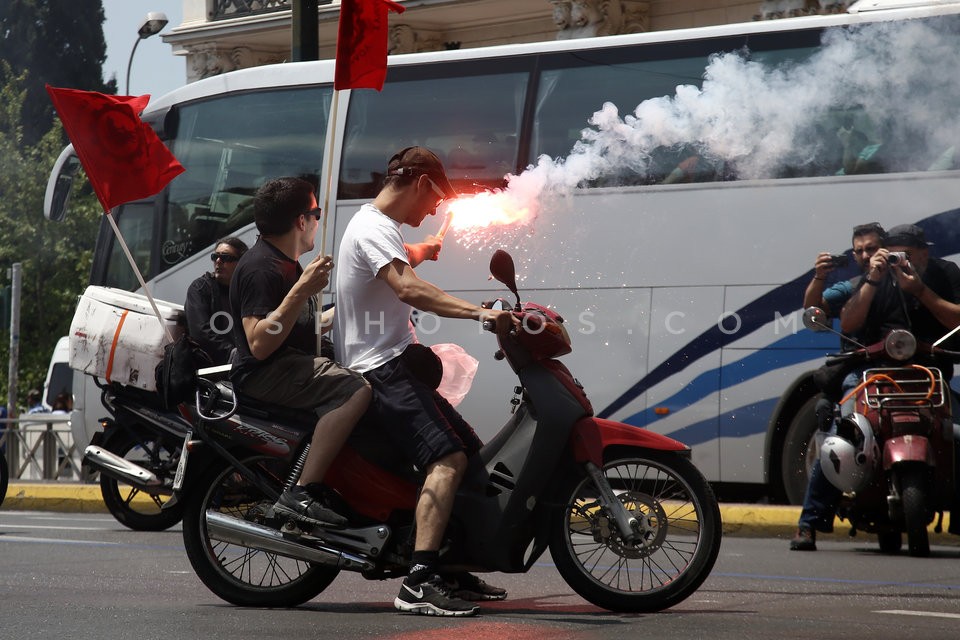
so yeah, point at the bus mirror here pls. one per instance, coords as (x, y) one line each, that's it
(815, 319)
(57, 197)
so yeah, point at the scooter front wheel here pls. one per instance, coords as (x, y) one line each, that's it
(916, 512)
(243, 575)
(681, 527)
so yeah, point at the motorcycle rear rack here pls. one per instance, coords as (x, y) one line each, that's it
(914, 388)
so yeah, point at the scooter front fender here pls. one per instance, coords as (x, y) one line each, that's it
(909, 448)
(590, 437)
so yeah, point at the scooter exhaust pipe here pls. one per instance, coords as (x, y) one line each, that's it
(114, 466)
(256, 536)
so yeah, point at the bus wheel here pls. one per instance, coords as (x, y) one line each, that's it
(799, 451)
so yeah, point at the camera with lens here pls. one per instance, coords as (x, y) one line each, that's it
(896, 257)
(838, 261)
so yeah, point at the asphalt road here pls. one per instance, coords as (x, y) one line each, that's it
(82, 575)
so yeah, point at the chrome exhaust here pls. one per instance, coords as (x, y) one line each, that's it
(256, 536)
(114, 466)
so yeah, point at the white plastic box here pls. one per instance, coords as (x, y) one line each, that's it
(116, 336)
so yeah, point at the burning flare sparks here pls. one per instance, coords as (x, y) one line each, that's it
(472, 216)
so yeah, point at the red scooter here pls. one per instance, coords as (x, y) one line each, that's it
(630, 522)
(893, 454)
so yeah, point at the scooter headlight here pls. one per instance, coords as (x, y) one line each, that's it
(900, 344)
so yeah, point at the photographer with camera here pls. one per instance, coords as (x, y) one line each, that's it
(867, 239)
(821, 498)
(907, 289)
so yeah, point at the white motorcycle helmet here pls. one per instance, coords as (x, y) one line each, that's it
(849, 458)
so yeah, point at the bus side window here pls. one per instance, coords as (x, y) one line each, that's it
(136, 225)
(472, 122)
(573, 87)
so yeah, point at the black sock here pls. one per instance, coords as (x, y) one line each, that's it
(422, 566)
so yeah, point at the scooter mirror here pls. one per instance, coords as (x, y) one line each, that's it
(501, 267)
(815, 319)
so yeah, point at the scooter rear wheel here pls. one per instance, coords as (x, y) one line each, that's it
(680, 545)
(242, 575)
(131, 506)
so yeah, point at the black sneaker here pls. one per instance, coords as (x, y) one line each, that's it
(804, 540)
(296, 503)
(432, 598)
(467, 586)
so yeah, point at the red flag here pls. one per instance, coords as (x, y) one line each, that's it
(362, 44)
(123, 157)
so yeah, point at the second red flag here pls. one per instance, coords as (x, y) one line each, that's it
(362, 44)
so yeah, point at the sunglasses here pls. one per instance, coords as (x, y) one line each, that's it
(437, 190)
(316, 213)
(226, 257)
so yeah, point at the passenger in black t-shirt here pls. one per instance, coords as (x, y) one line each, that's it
(277, 359)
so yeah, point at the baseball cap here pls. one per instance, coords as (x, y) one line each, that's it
(907, 235)
(416, 161)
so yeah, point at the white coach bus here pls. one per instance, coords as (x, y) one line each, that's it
(676, 233)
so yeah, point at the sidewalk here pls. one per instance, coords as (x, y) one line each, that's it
(745, 520)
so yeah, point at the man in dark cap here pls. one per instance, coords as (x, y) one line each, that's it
(930, 304)
(377, 289)
(915, 292)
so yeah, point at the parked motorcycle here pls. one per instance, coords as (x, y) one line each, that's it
(630, 522)
(893, 455)
(137, 454)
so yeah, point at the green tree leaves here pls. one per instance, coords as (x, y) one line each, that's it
(55, 256)
(59, 42)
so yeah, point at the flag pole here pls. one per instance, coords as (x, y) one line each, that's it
(331, 145)
(331, 137)
(136, 270)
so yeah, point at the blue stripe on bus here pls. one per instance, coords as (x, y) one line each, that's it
(752, 316)
(785, 352)
(741, 422)
(941, 228)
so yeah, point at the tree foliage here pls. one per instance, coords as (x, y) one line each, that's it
(55, 256)
(59, 42)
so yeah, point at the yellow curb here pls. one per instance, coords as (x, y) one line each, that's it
(758, 520)
(64, 497)
(748, 520)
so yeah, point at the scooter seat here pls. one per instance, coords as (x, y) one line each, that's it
(300, 418)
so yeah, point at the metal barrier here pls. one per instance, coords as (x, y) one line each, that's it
(39, 446)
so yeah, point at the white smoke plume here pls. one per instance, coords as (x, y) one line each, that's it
(762, 121)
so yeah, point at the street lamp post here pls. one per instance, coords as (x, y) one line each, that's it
(149, 26)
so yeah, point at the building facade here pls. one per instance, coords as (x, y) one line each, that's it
(217, 36)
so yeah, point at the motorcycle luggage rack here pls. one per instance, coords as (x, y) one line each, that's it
(914, 388)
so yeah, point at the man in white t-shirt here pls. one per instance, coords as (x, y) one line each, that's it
(377, 291)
